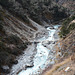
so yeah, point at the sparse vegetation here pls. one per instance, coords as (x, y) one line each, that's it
(71, 27)
(57, 66)
(12, 39)
(67, 27)
(10, 47)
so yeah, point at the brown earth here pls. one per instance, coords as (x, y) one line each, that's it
(66, 58)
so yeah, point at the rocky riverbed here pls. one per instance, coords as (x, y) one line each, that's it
(38, 55)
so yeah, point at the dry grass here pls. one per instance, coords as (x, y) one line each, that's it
(55, 67)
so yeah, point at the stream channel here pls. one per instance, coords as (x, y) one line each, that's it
(45, 52)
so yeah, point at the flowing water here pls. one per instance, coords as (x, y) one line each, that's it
(43, 53)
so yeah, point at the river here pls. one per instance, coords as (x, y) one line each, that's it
(45, 52)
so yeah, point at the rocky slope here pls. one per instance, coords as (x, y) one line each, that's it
(69, 4)
(14, 38)
(65, 63)
(66, 57)
(39, 11)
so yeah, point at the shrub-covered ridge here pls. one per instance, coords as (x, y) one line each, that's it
(67, 26)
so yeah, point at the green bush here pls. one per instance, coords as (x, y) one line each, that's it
(72, 26)
(68, 20)
(66, 28)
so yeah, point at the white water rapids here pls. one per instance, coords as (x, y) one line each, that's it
(43, 53)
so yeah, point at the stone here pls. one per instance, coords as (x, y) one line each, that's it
(6, 69)
(53, 42)
(44, 45)
(49, 42)
(15, 62)
(29, 65)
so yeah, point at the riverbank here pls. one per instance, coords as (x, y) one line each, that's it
(65, 54)
(44, 55)
(24, 60)
(36, 52)
(53, 50)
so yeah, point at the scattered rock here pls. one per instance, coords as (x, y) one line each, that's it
(49, 42)
(46, 26)
(59, 54)
(36, 42)
(53, 42)
(32, 57)
(6, 69)
(31, 60)
(44, 45)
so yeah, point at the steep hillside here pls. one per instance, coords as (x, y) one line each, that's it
(39, 11)
(14, 38)
(69, 4)
(67, 26)
(66, 57)
(65, 63)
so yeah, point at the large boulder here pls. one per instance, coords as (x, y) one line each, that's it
(5, 69)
